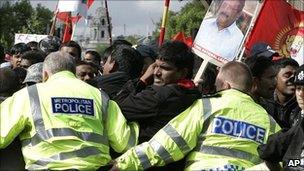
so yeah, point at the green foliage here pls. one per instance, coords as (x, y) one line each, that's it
(101, 48)
(189, 18)
(21, 17)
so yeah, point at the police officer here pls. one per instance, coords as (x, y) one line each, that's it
(217, 133)
(64, 123)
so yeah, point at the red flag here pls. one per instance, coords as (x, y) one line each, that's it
(180, 36)
(282, 27)
(68, 30)
(64, 15)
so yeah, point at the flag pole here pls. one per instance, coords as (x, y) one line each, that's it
(164, 22)
(73, 27)
(108, 20)
(52, 31)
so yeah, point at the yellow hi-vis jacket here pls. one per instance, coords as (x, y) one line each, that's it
(65, 123)
(218, 133)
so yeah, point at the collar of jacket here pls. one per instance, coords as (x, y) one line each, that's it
(186, 83)
(290, 102)
(234, 92)
(61, 74)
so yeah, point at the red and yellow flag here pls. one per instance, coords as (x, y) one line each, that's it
(282, 27)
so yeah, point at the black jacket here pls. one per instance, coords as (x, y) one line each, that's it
(153, 106)
(285, 145)
(112, 83)
(285, 114)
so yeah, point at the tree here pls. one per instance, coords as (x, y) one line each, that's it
(189, 18)
(21, 17)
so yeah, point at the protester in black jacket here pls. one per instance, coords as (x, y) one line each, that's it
(172, 91)
(283, 104)
(122, 64)
(164, 91)
(288, 144)
(11, 157)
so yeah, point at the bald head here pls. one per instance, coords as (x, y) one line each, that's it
(234, 75)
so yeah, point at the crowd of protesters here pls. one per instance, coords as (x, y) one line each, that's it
(87, 111)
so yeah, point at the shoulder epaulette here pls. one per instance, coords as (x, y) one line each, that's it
(211, 95)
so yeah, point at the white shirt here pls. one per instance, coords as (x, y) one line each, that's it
(223, 43)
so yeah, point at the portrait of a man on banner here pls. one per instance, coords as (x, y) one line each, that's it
(222, 31)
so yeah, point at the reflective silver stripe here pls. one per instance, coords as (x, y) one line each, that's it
(105, 102)
(143, 158)
(230, 153)
(59, 132)
(81, 153)
(161, 151)
(207, 112)
(179, 140)
(132, 138)
(272, 124)
(104, 107)
(42, 134)
(207, 108)
(35, 108)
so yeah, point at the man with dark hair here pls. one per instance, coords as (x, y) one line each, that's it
(86, 71)
(9, 83)
(283, 103)
(33, 45)
(31, 57)
(148, 54)
(121, 41)
(73, 48)
(286, 146)
(219, 132)
(123, 63)
(16, 51)
(264, 78)
(162, 92)
(93, 57)
(11, 157)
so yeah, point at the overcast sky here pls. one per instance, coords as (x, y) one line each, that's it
(137, 16)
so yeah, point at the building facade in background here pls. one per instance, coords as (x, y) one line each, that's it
(98, 30)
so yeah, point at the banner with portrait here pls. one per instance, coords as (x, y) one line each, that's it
(224, 29)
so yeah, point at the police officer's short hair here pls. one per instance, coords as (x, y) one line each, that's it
(59, 61)
(238, 74)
